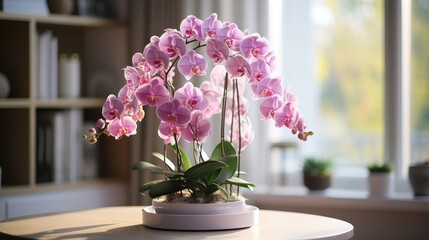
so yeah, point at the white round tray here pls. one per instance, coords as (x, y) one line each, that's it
(248, 217)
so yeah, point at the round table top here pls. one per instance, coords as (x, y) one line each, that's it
(126, 223)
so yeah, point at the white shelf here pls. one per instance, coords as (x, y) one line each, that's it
(58, 19)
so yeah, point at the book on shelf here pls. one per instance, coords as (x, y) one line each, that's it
(44, 151)
(60, 146)
(27, 7)
(75, 146)
(48, 65)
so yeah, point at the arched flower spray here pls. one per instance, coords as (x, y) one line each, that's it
(238, 59)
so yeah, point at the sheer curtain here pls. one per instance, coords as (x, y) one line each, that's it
(151, 17)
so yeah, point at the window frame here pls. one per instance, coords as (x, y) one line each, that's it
(397, 135)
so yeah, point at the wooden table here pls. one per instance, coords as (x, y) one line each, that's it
(126, 223)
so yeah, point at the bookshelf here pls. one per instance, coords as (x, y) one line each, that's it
(102, 48)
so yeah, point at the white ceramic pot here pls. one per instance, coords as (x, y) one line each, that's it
(380, 184)
(200, 216)
(179, 208)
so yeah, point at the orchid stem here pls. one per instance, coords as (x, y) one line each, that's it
(239, 133)
(222, 124)
(178, 155)
(165, 157)
(232, 112)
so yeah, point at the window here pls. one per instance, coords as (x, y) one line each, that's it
(419, 76)
(333, 56)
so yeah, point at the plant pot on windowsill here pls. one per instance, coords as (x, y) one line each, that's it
(317, 173)
(419, 178)
(380, 180)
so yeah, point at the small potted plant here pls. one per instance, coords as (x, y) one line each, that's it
(419, 178)
(380, 179)
(317, 173)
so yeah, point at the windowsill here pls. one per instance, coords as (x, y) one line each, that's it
(335, 198)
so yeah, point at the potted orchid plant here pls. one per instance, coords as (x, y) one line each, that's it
(239, 59)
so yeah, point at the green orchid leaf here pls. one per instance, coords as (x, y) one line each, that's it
(203, 169)
(166, 187)
(241, 183)
(227, 172)
(175, 175)
(168, 173)
(211, 189)
(154, 169)
(185, 159)
(146, 166)
(197, 186)
(217, 152)
(213, 177)
(167, 161)
(230, 159)
(148, 186)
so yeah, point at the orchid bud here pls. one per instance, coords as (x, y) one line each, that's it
(100, 123)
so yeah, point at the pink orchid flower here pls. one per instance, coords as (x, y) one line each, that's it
(112, 108)
(242, 109)
(210, 26)
(217, 50)
(254, 46)
(167, 132)
(122, 126)
(198, 128)
(174, 113)
(260, 70)
(288, 96)
(271, 60)
(239, 57)
(153, 93)
(172, 44)
(135, 76)
(286, 116)
(269, 87)
(191, 97)
(237, 66)
(217, 75)
(157, 59)
(131, 75)
(247, 133)
(139, 114)
(125, 93)
(300, 127)
(214, 96)
(191, 27)
(231, 35)
(137, 59)
(269, 106)
(154, 40)
(191, 64)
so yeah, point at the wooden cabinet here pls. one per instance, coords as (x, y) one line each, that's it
(102, 48)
